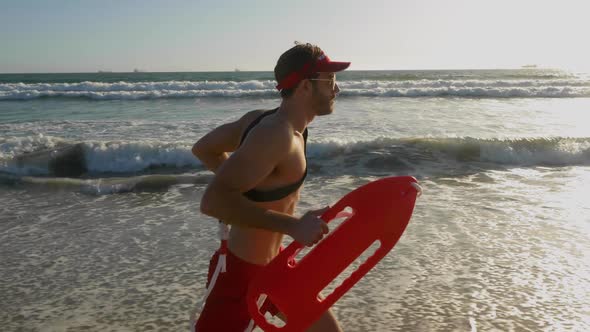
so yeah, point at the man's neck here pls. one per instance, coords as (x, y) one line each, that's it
(296, 113)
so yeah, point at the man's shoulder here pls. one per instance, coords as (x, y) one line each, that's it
(273, 128)
(271, 131)
(253, 115)
(247, 119)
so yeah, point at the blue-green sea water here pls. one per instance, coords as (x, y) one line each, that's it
(100, 227)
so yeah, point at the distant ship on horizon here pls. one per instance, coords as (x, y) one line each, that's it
(529, 66)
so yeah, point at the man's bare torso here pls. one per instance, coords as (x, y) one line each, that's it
(260, 246)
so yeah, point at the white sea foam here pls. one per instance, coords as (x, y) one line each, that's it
(13, 146)
(382, 154)
(109, 186)
(533, 88)
(122, 157)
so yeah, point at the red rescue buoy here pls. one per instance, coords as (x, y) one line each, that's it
(381, 211)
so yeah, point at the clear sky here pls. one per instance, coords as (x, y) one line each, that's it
(220, 35)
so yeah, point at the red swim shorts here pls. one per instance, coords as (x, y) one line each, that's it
(226, 309)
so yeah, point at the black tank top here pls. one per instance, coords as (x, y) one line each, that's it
(278, 193)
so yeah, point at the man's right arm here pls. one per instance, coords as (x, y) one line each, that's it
(212, 149)
(242, 171)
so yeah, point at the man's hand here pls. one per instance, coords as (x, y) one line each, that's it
(311, 228)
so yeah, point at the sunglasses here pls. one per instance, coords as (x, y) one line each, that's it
(332, 80)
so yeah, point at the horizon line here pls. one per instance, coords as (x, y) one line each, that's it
(270, 71)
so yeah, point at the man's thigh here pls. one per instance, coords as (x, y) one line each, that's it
(326, 323)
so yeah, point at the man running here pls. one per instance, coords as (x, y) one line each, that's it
(256, 189)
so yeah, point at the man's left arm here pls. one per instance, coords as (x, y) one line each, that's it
(213, 149)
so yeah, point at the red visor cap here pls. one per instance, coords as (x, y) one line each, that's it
(322, 65)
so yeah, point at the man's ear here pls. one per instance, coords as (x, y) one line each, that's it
(306, 86)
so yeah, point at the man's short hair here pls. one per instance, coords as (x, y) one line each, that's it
(293, 60)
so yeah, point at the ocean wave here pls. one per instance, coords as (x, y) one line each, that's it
(57, 157)
(44, 155)
(107, 186)
(445, 156)
(517, 88)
